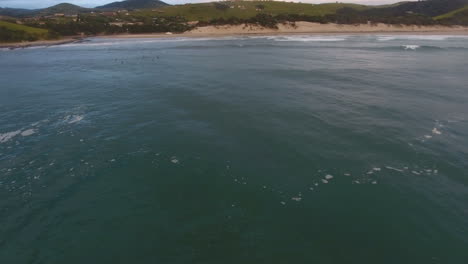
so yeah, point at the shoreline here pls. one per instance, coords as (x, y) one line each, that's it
(300, 28)
(39, 43)
(185, 35)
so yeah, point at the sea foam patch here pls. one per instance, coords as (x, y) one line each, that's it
(28, 132)
(71, 119)
(418, 37)
(307, 38)
(5, 137)
(411, 47)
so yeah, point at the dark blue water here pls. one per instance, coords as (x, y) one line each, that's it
(284, 149)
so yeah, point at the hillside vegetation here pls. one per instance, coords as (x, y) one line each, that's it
(245, 10)
(452, 14)
(430, 8)
(64, 8)
(133, 4)
(10, 32)
(457, 17)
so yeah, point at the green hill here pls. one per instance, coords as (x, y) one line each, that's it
(453, 13)
(244, 10)
(429, 8)
(456, 17)
(133, 4)
(16, 12)
(63, 8)
(10, 32)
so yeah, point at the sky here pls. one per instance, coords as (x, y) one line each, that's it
(31, 4)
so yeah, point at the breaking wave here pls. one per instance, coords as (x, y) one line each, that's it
(419, 37)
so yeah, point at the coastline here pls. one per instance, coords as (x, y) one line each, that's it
(299, 28)
(303, 28)
(39, 43)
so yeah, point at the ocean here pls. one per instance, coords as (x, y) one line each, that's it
(266, 149)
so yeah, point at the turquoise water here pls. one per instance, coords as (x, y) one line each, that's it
(284, 149)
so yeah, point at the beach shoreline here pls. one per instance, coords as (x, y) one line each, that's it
(39, 43)
(298, 28)
(301, 28)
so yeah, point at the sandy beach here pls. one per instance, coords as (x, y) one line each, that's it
(308, 27)
(305, 28)
(283, 29)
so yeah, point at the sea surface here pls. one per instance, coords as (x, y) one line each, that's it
(275, 149)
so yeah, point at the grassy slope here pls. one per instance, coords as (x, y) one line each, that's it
(10, 32)
(208, 11)
(17, 27)
(451, 14)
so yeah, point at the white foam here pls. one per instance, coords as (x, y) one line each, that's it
(71, 119)
(377, 169)
(89, 44)
(324, 181)
(428, 136)
(435, 131)
(328, 177)
(307, 38)
(411, 47)
(347, 174)
(28, 132)
(297, 199)
(395, 169)
(5, 137)
(415, 172)
(175, 160)
(417, 37)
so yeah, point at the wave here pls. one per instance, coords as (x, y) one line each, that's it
(82, 44)
(406, 47)
(71, 119)
(5, 137)
(238, 45)
(307, 38)
(413, 47)
(419, 37)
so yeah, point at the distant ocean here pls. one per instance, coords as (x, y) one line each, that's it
(282, 149)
